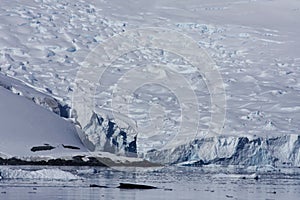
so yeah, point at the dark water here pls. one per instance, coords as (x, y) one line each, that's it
(173, 183)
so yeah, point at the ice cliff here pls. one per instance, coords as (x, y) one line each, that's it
(233, 150)
(103, 134)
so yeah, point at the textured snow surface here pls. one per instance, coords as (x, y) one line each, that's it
(255, 45)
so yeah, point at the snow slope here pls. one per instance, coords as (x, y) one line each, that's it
(25, 125)
(33, 131)
(254, 44)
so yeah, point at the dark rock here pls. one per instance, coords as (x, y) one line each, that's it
(42, 148)
(75, 161)
(135, 186)
(98, 186)
(70, 147)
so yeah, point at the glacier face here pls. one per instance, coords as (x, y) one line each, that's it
(103, 134)
(277, 151)
(245, 150)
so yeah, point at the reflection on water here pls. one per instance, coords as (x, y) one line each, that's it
(174, 183)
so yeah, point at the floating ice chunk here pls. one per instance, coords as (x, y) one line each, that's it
(48, 174)
(87, 171)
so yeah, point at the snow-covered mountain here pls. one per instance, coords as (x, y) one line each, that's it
(151, 103)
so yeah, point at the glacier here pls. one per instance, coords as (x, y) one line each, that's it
(103, 134)
(279, 151)
(44, 44)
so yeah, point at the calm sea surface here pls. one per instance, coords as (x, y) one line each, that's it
(173, 183)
